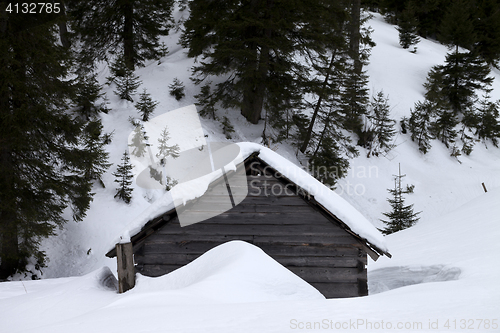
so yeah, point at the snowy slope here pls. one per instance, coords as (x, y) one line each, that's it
(441, 183)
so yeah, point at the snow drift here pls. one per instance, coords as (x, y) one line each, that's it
(234, 272)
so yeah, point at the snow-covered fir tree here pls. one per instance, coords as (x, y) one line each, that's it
(227, 127)
(176, 89)
(125, 79)
(145, 105)
(206, 102)
(401, 216)
(124, 177)
(407, 28)
(488, 120)
(419, 124)
(139, 143)
(380, 128)
(165, 150)
(95, 142)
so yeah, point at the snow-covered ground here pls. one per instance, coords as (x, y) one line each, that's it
(443, 275)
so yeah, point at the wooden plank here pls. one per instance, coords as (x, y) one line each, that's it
(327, 239)
(185, 258)
(256, 218)
(274, 249)
(166, 258)
(285, 250)
(283, 240)
(283, 200)
(208, 237)
(126, 270)
(190, 247)
(157, 270)
(333, 262)
(243, 207)
(326, 274)
(337, 290)
(247, 229)
(276, 217)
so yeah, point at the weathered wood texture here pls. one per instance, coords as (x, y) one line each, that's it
(275, 218)
(126, 270)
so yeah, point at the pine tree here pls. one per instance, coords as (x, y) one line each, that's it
(457, 81)
(408, 29)
(355, 98)
(42, 161)
(124, 177)
(176, 89)
(402, 216)
(227, 127)
(254, 45)
(328, 164)
(355, 102)
(443, 127)
(94, 142)
(138, 144)
(487, 29)
(419, 125)
(164, 150)
(488, 123)
(146, 105)
(88, 92)
(457, 29)
(381, 126)
(328, 161)
(128, 28)
(125, 79)
(206, 102)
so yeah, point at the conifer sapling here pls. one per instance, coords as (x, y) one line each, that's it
(402, 216)
(145, 105)
(124, 179)
(227, 127)
(125, 79)
(138, 144)
(176, 89)
(164, 151)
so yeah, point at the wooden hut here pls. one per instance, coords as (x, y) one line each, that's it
(278, 216)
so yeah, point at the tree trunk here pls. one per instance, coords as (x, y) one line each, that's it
(354, 35)
(128, 35)
(254, 90)
(307, 139)
(320, 141)
(9, 246)
(253, 101)
(63, 28)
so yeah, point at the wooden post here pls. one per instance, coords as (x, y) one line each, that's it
(484, 188)
(126, 270)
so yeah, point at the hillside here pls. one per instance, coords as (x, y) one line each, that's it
(441, 183)
(453, 248)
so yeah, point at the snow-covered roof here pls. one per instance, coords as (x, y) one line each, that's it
(330, 200)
